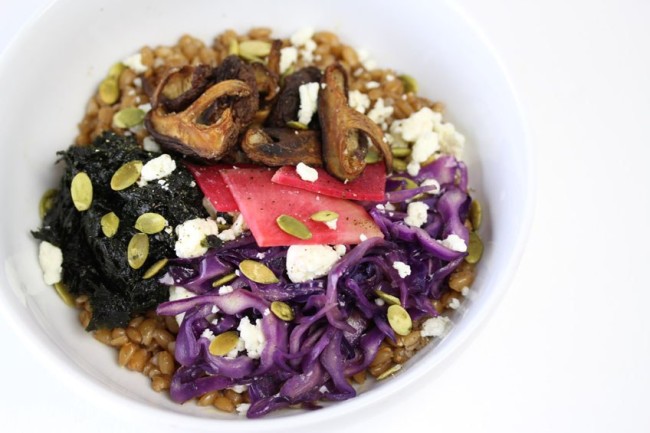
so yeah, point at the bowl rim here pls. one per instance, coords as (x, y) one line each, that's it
(69, 373)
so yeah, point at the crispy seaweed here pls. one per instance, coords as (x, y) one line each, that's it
(97, 266)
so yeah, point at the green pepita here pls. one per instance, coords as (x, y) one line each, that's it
(233, 48)
(475, 214)
(109, 91)
(257, 272)
(126, 175)
(390, 299)
(292, 226)
(399, 320)
(128, 117)
(225, 279)
(138, 250)
(394, 369)
(110, 223)
(372, 156)
(154, 269)
(47, 201)
(150, 223)
(81, 190)
(64, 294)
(116, 70)
(294, 124)
(410, 83)
(474, 249)
(224, 343)
(400, 152)
(324, 216)
(282, 311)
(254, 49)
(399, 165)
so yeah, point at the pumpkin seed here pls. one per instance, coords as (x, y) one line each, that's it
(406, 183)
(110, 223)
(150, 223)
(292, 226)
(390, 299)
(126, 175)
(128, 117)
(282, 311)
(254, 49)
(64, 294)
(233, 48)
(257, 272)
(410, 83)
(394, 369)
(81, 190)
(109, 91)
(224, 343)
(294, 124)
(474, 249)
(47, 201)
(399, 320)
(138, 250)
(154, 269)
(399, 165)
(400, 152)
(475, 214)
(225, 279)
(372, 156)
(324, 216)
(116, 70)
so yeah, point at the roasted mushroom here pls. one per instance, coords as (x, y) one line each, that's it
(287, 102)
(345, 131)
(209, 127)
(281, 146)
(183, 86)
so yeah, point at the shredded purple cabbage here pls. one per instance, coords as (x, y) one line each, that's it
(338, 326)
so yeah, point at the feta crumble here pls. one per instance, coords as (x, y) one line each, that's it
(50, 258)
(418, 123)
(157, 168)
(416, 214)
(435, 326)
(358, 101)
(242, 408)
(306, 172)
(306, 262)
(238, 227)
(372, 85)
(425, 146)
(302, 36)
(434, 183)
(145, 107)
(379, 302)
(332, 224)
(380, 113)
(402, 269)
(413, 168)
(454, 304)
(451, 141)
(308, 102)
(239, 388)
(252, 336)
(368, 62)
(363, 237)
(150, 145)
(134, 62)
(224, 290)
(455, 243)
(208, 334)
(288, 56)
(191, 236)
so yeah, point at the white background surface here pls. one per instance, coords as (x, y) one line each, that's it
(568, 350)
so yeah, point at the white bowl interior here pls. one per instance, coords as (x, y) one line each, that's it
(48, 73)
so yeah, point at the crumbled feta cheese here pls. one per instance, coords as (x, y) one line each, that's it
(145, 107)
(340, 249)
(50, 258)
(308, 102)
(381, 207)
(177, 293)
(425, 146)
(358, 101)
(238, 227)
(372, 85)
(332, 224)
(402, 269)
(150, 145)
(252, 336)
(157, 168)
(465, 291)
(455, 243)
(364, 57)
(416, 214)
(434, 183)
(137, 82)
(380, 302)
(221, 220)
(135, 63)
(413, 168)
(435, 327)
(363, 237)
(390, 77)
(323, 389)
(306, 173)
(323, 86)
(191, 236)
(390, 207)
(307, 53)
(380, 112)
(238, 348)
(242, 408)
(306, 262)
(302, 36)
(239, 388)
(454, 304)
(288, 56)
(451, 141)
(208, 334)
(260, 256)
(224, 290)
(418, 123)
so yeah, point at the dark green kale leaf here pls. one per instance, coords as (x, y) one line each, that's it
(97, 266)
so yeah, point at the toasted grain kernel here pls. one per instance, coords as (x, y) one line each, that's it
(138, 360)
(133, 334)
(161, 382)
(165, 362)
(207, 399)
(224, 404)
(125, 353)
(103, 335)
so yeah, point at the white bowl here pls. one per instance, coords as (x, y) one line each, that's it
(49, 71)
